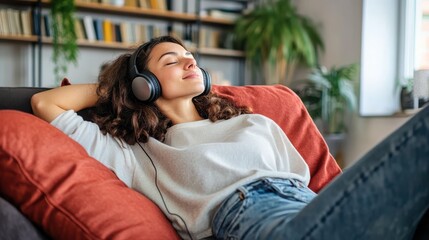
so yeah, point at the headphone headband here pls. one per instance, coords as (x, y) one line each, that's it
(146, 86)
(132, 68)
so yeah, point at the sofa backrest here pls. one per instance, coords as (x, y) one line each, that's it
(277, 102)
(18, 98)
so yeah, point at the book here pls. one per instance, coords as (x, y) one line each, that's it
(131, 32)
(26, 22)
(143, 4)
(47, 25)
(124, 32)
(3, 22)
(131, 3)
(98, 27)
(36, 22)
(89, 28)
(118, 3)
(2, 32)
(108, 31)
(118, 34)
(224, 13)
(11, 22)
(17, 21)
(154, 4)
(162, 5)
(78, 28)
(169, 4)
(42, 27)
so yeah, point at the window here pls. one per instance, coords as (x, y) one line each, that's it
(420, 66)
(379, 57)
(395, 43)
(422, 35)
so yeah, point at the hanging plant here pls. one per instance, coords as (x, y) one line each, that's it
(65, 50)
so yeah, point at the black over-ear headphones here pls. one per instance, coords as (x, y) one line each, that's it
(145, 85)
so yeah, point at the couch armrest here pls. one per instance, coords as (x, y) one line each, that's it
(18, 98)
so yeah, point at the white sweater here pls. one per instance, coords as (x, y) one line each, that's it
(198, 166)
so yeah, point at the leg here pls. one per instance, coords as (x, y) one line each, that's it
(383, 196)
(259, 207)
(422, 232)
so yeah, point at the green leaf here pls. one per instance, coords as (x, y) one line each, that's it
(65, 49)
(274, 31)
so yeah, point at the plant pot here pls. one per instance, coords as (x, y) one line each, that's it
(335, 143)
(406, 99)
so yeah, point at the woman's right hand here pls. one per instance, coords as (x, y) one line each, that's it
(51, 103)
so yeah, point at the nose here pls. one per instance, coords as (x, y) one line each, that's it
(190, 63)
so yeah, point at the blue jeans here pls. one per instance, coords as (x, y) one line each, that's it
(382, 196)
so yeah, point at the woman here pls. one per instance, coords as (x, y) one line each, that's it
(212, 167)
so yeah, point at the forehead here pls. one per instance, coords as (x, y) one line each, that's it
(165, 47)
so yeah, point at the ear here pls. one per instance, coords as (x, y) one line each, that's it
(65, 82)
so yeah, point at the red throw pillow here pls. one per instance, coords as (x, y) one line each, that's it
(54, 182)
(284, 107)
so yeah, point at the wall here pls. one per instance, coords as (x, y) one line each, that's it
(340, 23)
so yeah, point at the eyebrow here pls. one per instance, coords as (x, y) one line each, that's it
(172, 53)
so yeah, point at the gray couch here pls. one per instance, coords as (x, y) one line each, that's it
(14, 225)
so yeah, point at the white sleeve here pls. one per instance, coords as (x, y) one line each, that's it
(113, 153)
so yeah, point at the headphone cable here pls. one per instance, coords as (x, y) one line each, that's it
(160, 193)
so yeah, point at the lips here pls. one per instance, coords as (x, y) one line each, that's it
(191, 75)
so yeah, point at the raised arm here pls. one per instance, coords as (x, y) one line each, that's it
(49, 104)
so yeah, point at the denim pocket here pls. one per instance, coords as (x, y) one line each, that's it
(293, 190)
(226, 218)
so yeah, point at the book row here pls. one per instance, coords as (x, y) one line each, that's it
(15, 22)
(150, 4)
(24, 23)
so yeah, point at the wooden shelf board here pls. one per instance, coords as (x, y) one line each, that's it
(122, 10)
(117, 45)
(136, 11)
(221, 52)
(213, 20)
(98, 44)
(19, 38)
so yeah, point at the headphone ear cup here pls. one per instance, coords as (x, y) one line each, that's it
(207, 82)
(146, 87)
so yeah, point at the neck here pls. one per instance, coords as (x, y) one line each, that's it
(179, 111)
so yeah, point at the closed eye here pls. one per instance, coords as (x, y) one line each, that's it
(170, 63)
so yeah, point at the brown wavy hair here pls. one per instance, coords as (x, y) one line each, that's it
(119, 113)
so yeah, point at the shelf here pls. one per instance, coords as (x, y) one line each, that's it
(116, 45)
(407, 112)
(221, 52)
(18, 38)
(193, 23)
(132, 11)
(212, 20)
(136, 11)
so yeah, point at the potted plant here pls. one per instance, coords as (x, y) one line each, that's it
(406, 94)
(276, 37)
(64, 38)
(328, 96)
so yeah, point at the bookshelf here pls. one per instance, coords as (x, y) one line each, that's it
(189, 20)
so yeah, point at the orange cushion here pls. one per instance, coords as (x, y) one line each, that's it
(284, 107)
(58, 186)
